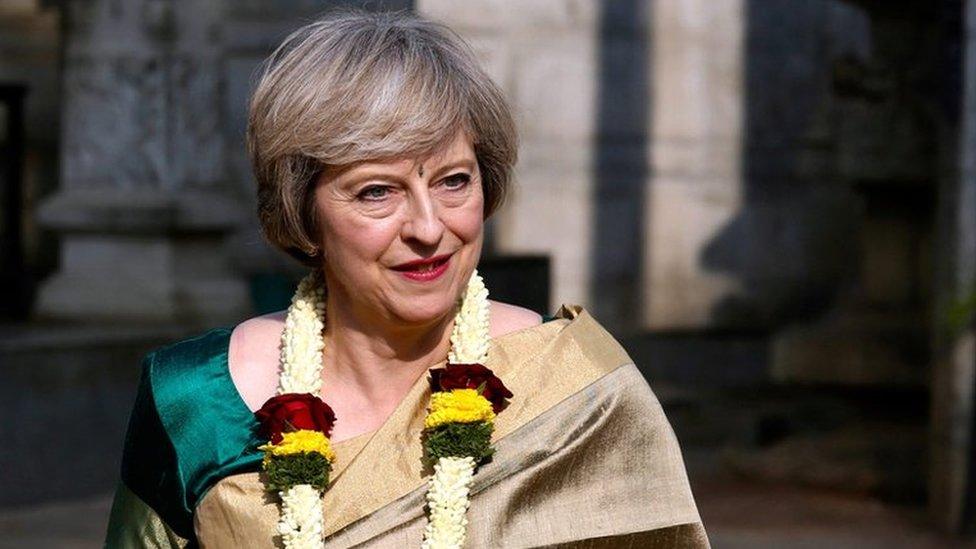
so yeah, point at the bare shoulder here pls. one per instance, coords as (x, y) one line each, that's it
(258, 335)
(506, 318)
(253, 357)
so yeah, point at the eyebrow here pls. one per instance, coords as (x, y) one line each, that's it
(382, 173)
(466, 162)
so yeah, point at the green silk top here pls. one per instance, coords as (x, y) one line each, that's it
(189, 428)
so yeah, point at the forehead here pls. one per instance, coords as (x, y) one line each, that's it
(458, 147)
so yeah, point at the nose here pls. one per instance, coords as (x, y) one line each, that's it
(423, 224)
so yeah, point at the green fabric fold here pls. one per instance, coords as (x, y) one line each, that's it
(189, 428)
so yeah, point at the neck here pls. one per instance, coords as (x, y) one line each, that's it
(376, 357)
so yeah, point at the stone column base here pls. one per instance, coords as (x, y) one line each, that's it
(144, 256)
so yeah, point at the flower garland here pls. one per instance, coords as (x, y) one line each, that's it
(457, 430)
(298, 458)
(465, 396)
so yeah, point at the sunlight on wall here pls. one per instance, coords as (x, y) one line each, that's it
(696, 140)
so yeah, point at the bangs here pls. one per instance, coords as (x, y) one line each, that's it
(406, 99)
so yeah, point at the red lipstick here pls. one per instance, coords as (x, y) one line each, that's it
(424, 270)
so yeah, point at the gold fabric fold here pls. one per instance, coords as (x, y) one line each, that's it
(682, 536)
(133, 524)
(584, 452)
(601, 468)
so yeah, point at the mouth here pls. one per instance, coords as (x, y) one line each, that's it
(424, 270)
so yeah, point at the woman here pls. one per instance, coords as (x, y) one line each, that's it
(380, 147)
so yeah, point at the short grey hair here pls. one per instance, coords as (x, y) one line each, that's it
(355, 86)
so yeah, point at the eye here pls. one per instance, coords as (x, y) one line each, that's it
(457, 181)
(373, 193)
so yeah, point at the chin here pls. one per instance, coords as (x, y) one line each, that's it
(424, 309)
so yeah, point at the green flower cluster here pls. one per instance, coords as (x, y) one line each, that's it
(459, 440)
(284, 472)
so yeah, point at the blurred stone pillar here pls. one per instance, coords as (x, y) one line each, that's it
(952, 464)
(143, 205)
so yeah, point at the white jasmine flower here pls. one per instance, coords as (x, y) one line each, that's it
(300, 524)
(301, 340)
(447, 499)
(469, 338)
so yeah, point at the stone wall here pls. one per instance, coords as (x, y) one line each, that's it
(736, 203)
(697, 132)
(143, 205)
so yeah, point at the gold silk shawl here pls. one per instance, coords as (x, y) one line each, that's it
(584, 458)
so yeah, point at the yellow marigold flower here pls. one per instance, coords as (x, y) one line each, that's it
(458, 406)
(296, 442)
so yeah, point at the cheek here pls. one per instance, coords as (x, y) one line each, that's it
(346, 236)
(467, 225)
(468, 222)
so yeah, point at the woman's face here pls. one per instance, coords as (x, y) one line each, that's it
(402, 237)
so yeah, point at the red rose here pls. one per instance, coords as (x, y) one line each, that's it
(471, 376)
(294, 411)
